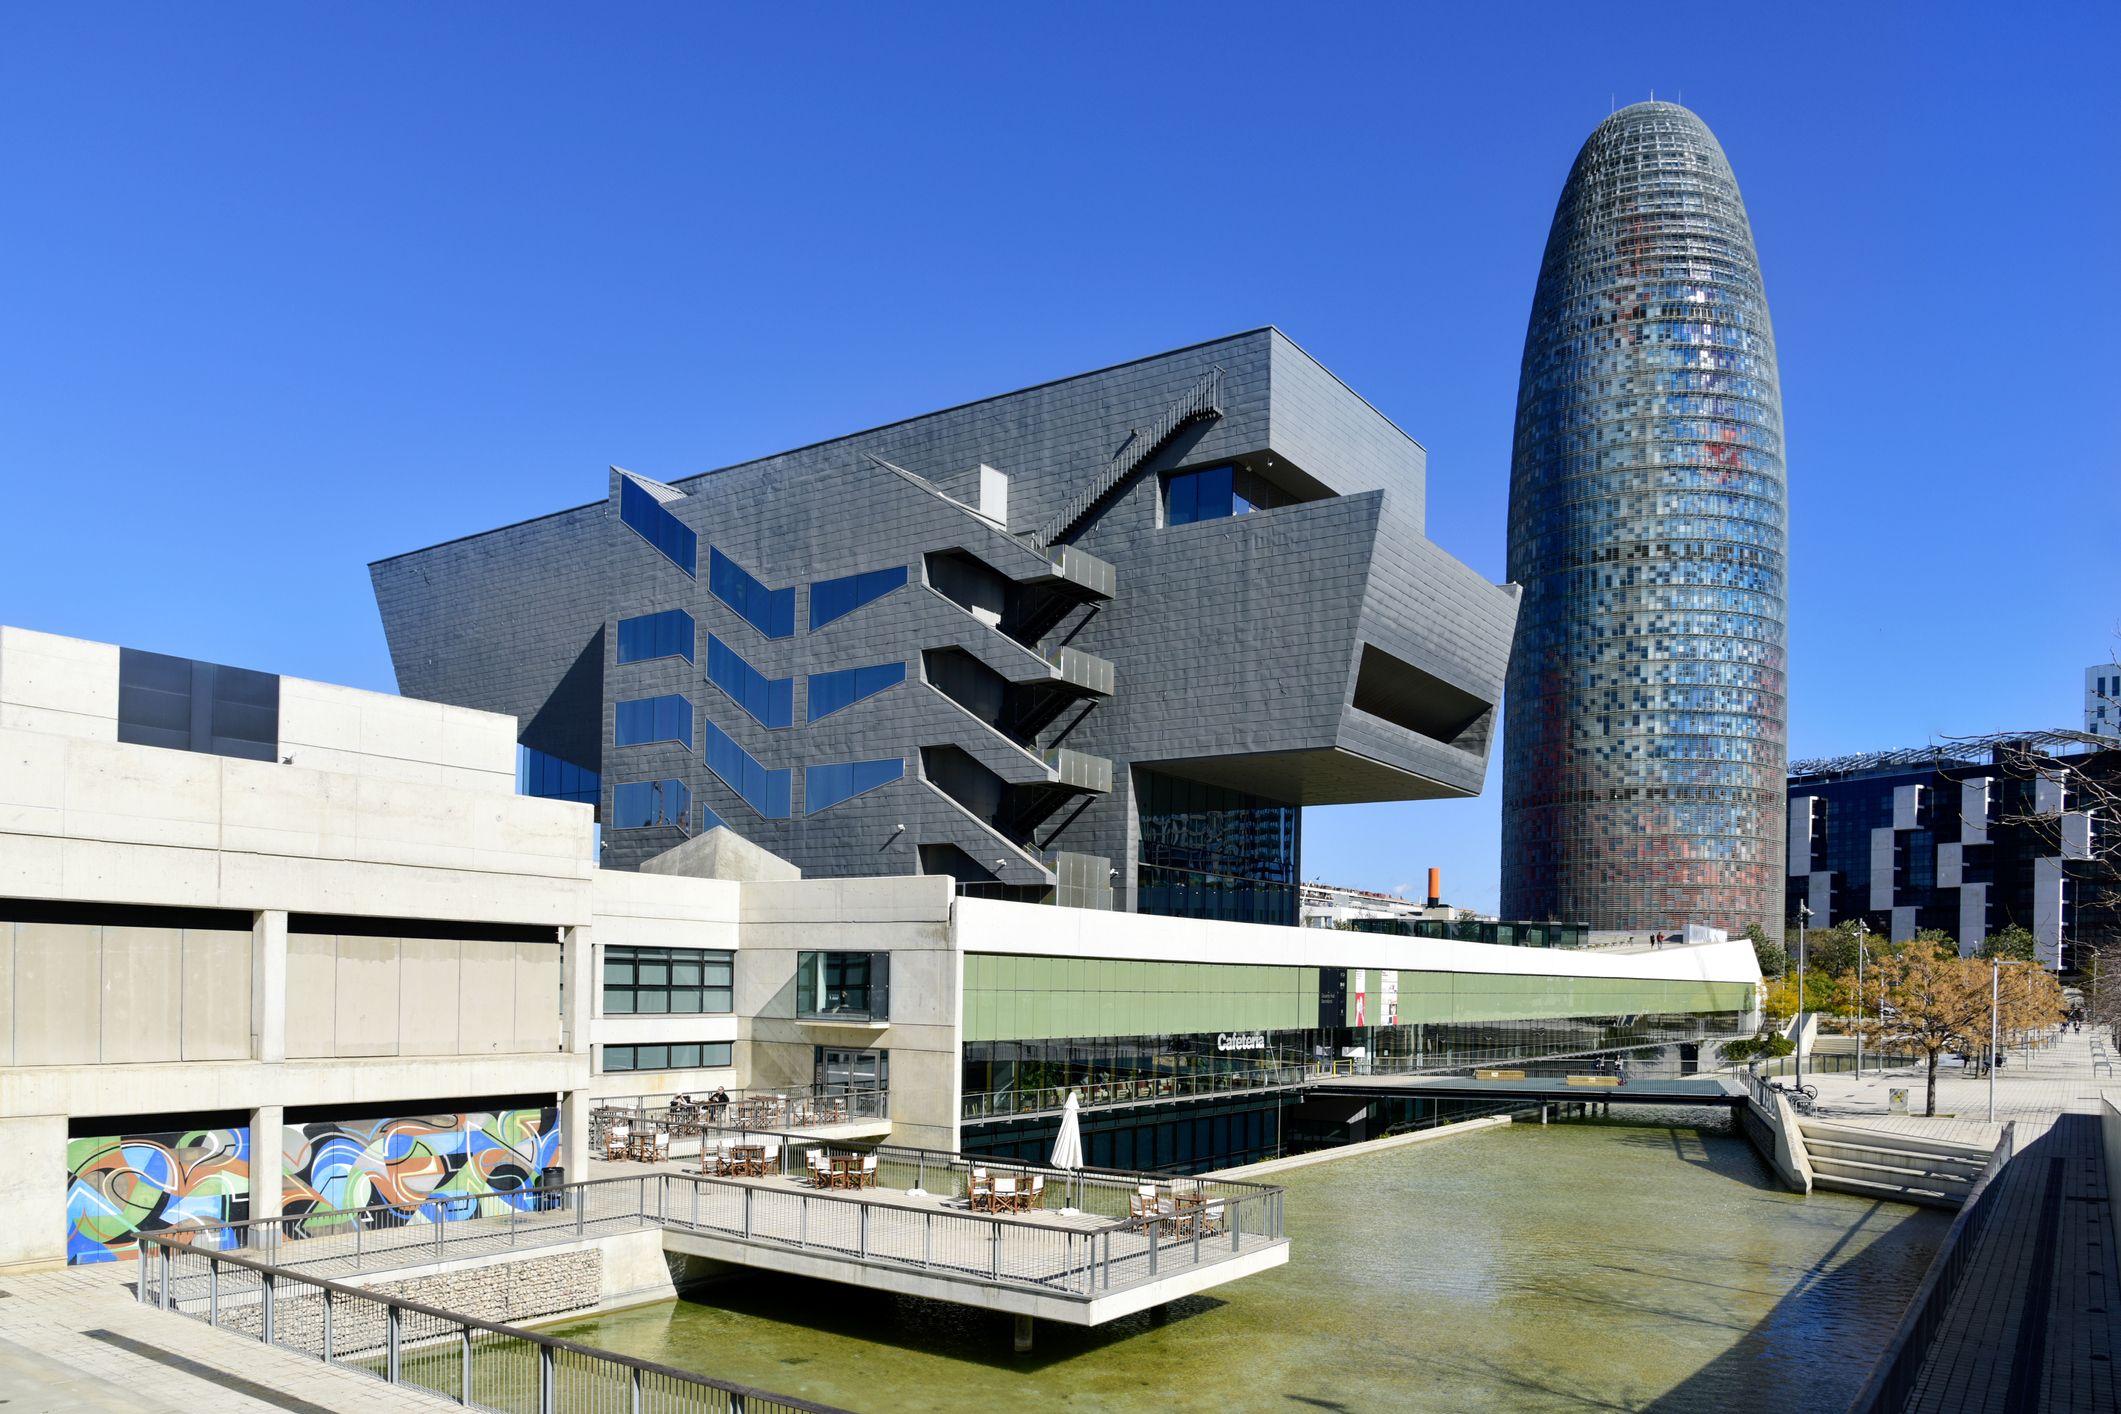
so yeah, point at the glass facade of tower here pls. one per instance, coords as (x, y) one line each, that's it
(1644, 750)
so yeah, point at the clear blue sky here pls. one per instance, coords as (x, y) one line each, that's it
(290, 288)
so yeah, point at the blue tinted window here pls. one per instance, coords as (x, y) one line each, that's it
(1204, 495)
(664, 635)
(763, 790)
(550, 778)
(834, 598)
(646, 719)
(831, 691)
(827, 786)
(770, 700)
(645, 515)
(637, 805)
(770, 611)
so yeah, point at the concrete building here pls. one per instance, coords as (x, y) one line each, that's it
(1968, 839)
(2102, 699)
(1094, 642)
(274, 946)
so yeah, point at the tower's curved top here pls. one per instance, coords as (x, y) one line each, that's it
(1643, 780)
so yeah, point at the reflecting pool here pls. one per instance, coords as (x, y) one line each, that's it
(1587, 1265)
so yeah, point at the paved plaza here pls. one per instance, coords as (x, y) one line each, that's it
(2059, 1077)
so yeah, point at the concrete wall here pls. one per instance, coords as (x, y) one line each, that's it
(906, 917)
(84, 994)
(61, 686)
(355, 995)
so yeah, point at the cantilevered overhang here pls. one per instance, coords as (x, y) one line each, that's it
(1332, 776)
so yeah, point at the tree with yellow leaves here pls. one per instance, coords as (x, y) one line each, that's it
(1932, 1004)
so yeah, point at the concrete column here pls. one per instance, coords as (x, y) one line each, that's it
(268, 985)
(1021, 1336)
(574, 1134)
(33, 1191)
(578, 987)
(266, 1162)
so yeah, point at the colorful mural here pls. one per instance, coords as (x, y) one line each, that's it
(426, 1168)
(121, 1184)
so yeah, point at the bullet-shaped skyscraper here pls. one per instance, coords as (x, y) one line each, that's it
(1645, 740)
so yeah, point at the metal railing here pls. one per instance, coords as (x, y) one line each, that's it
(1129, 1090)
(870, 1227)
(1893, 1378)
(479, 1364)
(791, 1107)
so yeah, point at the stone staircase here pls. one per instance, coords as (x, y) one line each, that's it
(1879, 1163)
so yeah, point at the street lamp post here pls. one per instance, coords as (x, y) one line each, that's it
(1861, 930)
(1995, 993)
(1804, 917)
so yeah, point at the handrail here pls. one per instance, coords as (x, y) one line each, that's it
(1893, 1378)
(391, 1372)
(1204, 401)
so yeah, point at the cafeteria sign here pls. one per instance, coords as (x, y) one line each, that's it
(1241, 1041)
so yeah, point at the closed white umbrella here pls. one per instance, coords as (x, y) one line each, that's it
(1068, 1144)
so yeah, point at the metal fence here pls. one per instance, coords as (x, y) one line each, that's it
(479, 1364)
(767, 1108)
(1124, 1090)
(1892, 1380)
(1101, 1243)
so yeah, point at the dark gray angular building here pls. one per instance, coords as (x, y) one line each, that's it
(1096, 641)
(1644, 751)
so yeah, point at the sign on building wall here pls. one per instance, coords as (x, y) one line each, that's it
(1388, 997)
(1359, 984)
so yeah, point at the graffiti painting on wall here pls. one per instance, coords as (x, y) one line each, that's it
(427, 1168)
(121, 1184)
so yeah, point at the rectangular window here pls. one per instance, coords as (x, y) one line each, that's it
(771, 701)
(646, 517)
(640, 805)
(187, 705)
(667, 982)
(686, 1055)
(831, 691)
(770, 611)
(1215, 493)
(665, 635)
(836, 598)
(764, 790)
(856, 985)
(550, 778)
(646, 719)
(827, 786)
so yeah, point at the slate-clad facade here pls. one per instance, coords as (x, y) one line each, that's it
(974, 642)
(1643, 770)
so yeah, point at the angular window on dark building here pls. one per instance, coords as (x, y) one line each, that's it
(770, 611)
(665, 635)
(836, 598)
(1211, 852)
(667, 981)
(771, 701)
(645, 516)
(550, 778)
(827, 786)
(1217, 493)
(645, 719)
(829, 692)
(766, 791)
(639, 805)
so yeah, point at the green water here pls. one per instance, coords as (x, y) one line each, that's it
(1579, 1266)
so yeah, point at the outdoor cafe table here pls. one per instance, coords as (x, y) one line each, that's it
(846, 1170)
(750, 1158)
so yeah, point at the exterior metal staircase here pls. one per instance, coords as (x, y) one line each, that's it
(1205, 401)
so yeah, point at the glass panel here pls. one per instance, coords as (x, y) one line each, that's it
(668, 634)
(770, 700)
(829, 692)
(770, 611)
(639, 804)
(766, 791)
(646, 516)
(826, 786)
(836, 598)
(647, 719)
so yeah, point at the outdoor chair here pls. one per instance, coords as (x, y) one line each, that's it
(1035, 1195)
(979, 1194)
(820, 1168)
(615, 1139)
(1004, 1194)
(1141, 1212)
(1211, 1218)
(770, 1160)
(868, 1178)
(662, 1146)
(723, 1159)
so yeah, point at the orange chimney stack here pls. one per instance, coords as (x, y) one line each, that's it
(1435, 887)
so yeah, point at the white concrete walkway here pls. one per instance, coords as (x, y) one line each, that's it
(2057, 1080)
(76, 1339)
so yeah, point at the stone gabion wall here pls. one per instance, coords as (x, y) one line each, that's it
(507, 1292)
